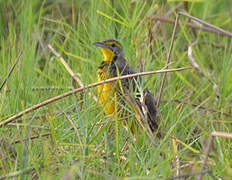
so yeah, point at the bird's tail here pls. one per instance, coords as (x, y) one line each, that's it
(150, 104)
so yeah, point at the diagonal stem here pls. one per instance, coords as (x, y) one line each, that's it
(220, 30)
(53, 99)
(11, 70)
(168, 59)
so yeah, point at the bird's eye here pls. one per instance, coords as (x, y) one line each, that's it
(113, 45)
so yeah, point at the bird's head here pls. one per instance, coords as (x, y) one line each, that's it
(110, 49)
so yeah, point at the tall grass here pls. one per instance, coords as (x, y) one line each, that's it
(72, 27)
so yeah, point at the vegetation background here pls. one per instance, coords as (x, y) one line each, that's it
(65, 140)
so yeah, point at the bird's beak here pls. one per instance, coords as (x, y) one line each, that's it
(100, 44)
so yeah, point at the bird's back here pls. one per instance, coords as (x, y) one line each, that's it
(132, 84)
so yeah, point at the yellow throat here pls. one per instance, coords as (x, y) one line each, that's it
(108, 54)
(106, 91)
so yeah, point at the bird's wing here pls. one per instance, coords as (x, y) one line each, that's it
(143, 97)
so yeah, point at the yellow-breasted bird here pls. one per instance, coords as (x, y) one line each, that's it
(110, 94)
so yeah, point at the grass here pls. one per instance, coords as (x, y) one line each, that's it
(72, 124)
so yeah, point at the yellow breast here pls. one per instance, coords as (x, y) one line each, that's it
(108, 96)
(106, 92)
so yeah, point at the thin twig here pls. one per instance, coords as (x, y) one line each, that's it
(222, 134)
(210, 143)
(155, 27)
(192, 57)
(168, 59)
(53, 99)
(219, 30)
(192, 25)
(32, 137)
(73, 75)
(175, 149)
(11, 70)
(206, 156)
(75, 129)
(125, 145)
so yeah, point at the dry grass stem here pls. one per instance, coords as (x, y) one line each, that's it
(191, 56)
(11, 70)
(75, 129)
(191, 25)
(209, 145)
(168, 60)
(177, 158)
(32, 137)
(53, 99)
(73, 75)
(206, 156)
(217, 29)
(222, 134)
